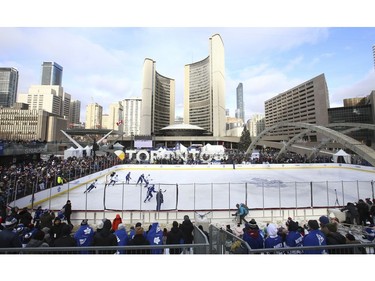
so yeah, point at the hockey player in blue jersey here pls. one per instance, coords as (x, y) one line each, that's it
(128, 178)
(150, 190)
(141, 179)
(91, 187)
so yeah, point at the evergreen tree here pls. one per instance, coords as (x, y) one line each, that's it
(245, 140)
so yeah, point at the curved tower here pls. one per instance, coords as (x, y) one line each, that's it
(158, 100)
(204, 90)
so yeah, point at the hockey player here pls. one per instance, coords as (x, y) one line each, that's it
(114, 180)
(91, 187)
(141, 179)
(128, 178)
(150, 190)
(147, 180)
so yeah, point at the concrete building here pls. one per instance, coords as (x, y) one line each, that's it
(51, 74)
(21, 123)
(114, 116)
(50, 98)
(256, 124)
(240, 112)
(307, 102)
(158, 100)
(75, 112)
(94, 114)
(204, 90)
(8, 86)
(132, 116)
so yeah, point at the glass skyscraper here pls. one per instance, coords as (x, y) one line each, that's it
(51, 73)
(8, 86)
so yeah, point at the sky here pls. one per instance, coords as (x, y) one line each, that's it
(103, 62)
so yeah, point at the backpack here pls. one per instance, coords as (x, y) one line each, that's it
(246, 208)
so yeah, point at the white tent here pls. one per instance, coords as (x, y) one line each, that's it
(118, 145)
(342, 157)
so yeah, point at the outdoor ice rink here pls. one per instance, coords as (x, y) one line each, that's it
(217, 187)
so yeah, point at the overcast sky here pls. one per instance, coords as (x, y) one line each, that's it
(104, 64)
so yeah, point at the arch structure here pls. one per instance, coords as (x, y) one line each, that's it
(352, 127)
(357, 147)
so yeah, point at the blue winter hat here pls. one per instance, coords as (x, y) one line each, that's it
(323, 220)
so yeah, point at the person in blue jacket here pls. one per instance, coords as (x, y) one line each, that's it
(273, 239)
(241, 213)
(315, 237)
(293, 237)
(122, 237)
(84, 235)
(253, 235)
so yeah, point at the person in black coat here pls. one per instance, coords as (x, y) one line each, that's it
(68, 211)
(105, 237)
(25, 217)
(139, 239)
(187, 229)
(65, 240)
(333, 237)
(174, 237)
(56, 230)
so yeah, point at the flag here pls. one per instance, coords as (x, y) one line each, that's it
(119, 122)
(155, 237)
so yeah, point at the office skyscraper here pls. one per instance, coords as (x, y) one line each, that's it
(51, 73)
(240, 114)
(204, 90)
(8, 86)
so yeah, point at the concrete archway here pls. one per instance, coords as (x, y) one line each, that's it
(357, 147)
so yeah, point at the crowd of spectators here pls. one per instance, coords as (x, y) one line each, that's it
(19, 231)
(325, 231)
(22, 179)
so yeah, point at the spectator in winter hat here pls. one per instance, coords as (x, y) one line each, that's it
(105, 237)
(116, 221)
(139, 240)
(323, 220)
(8, 237)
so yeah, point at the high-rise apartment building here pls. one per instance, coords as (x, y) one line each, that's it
(204, 90)
(240, 112)
(132, 116)
(158, 100)
(307, 102)
(52, 73)
(94, 113)
(8, 86)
